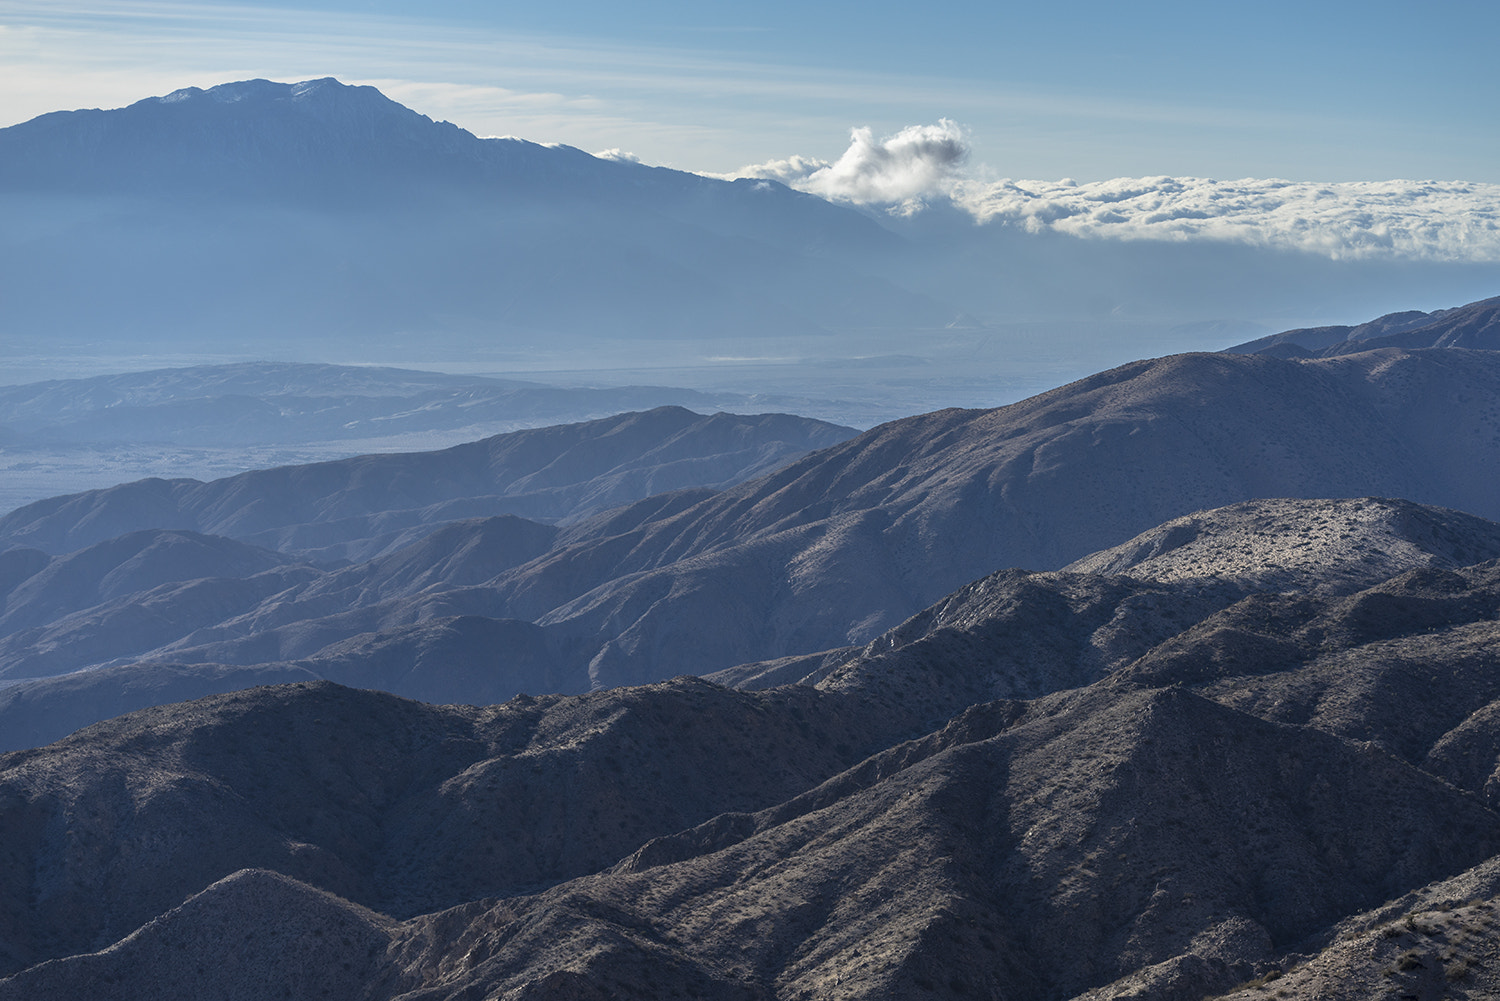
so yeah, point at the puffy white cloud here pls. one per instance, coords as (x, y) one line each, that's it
(1424, 220)
(900, 170)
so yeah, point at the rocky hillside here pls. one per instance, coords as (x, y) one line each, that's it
(1058, 785)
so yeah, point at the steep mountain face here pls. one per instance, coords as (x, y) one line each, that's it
(852, 540)
(1060, 785)
(1476, 326)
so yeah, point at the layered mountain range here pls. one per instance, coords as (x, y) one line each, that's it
(1178, 680)
(1174, 681)
(285, 404)
(403, 571)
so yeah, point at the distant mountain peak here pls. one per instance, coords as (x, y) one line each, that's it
(315, 136)
(1475, 325)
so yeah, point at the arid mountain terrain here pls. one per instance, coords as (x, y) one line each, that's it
(1180, 680)
(404, 572)
(1154, 782)
(553, 474)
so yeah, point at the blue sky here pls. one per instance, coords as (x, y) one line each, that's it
(1304, 91)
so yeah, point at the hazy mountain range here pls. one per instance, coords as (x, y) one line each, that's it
(322, 222)
(171, 220)
(266, 404)
(211, 421)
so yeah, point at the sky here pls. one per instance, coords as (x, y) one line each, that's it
(1305, 91)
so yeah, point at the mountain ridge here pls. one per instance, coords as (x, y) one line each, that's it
(674, 437)
(1475, 325)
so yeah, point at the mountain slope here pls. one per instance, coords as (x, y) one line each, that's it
(124, 566)
(400, 805)
(964, 872)
(868, 532)
(1011, 634)
(1291, 545)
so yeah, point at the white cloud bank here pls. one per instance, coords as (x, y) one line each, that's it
(1452, 221)
(1421, 220)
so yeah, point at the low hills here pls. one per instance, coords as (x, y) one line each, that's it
(249, 404)
(207, 422)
